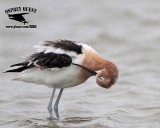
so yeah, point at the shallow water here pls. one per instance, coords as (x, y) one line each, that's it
(126, 32)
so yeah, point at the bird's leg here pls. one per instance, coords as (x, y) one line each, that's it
(50, 103)
(57, 102)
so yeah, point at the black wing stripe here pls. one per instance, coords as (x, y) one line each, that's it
(20, 64)
(51, 60)
(66, 45)
(43, 61)
(17, 69)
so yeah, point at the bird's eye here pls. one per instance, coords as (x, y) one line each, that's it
(101, 78)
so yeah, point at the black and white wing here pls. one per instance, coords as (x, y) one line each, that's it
(44, 61)
(54, 54)
(51, 54)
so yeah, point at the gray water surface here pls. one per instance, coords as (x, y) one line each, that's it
(126, 32)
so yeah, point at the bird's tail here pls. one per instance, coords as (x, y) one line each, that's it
(24, 65)
(20, 69)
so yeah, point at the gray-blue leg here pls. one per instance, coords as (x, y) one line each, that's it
(50, 110)
(57, 102)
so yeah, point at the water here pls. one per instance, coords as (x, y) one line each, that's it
(126, 32)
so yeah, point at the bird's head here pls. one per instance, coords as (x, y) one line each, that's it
(107, 76)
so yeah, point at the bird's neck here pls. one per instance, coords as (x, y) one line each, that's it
(93, 61)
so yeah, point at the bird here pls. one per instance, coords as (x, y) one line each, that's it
(18, 17)
(62, 64)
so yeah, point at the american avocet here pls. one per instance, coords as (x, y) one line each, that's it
(62, 64)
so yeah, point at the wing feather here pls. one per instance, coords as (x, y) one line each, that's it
(43, 61)
(53, 54)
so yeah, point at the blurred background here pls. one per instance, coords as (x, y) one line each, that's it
(124, 31)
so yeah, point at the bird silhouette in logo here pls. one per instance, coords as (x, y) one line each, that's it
(18, 17)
